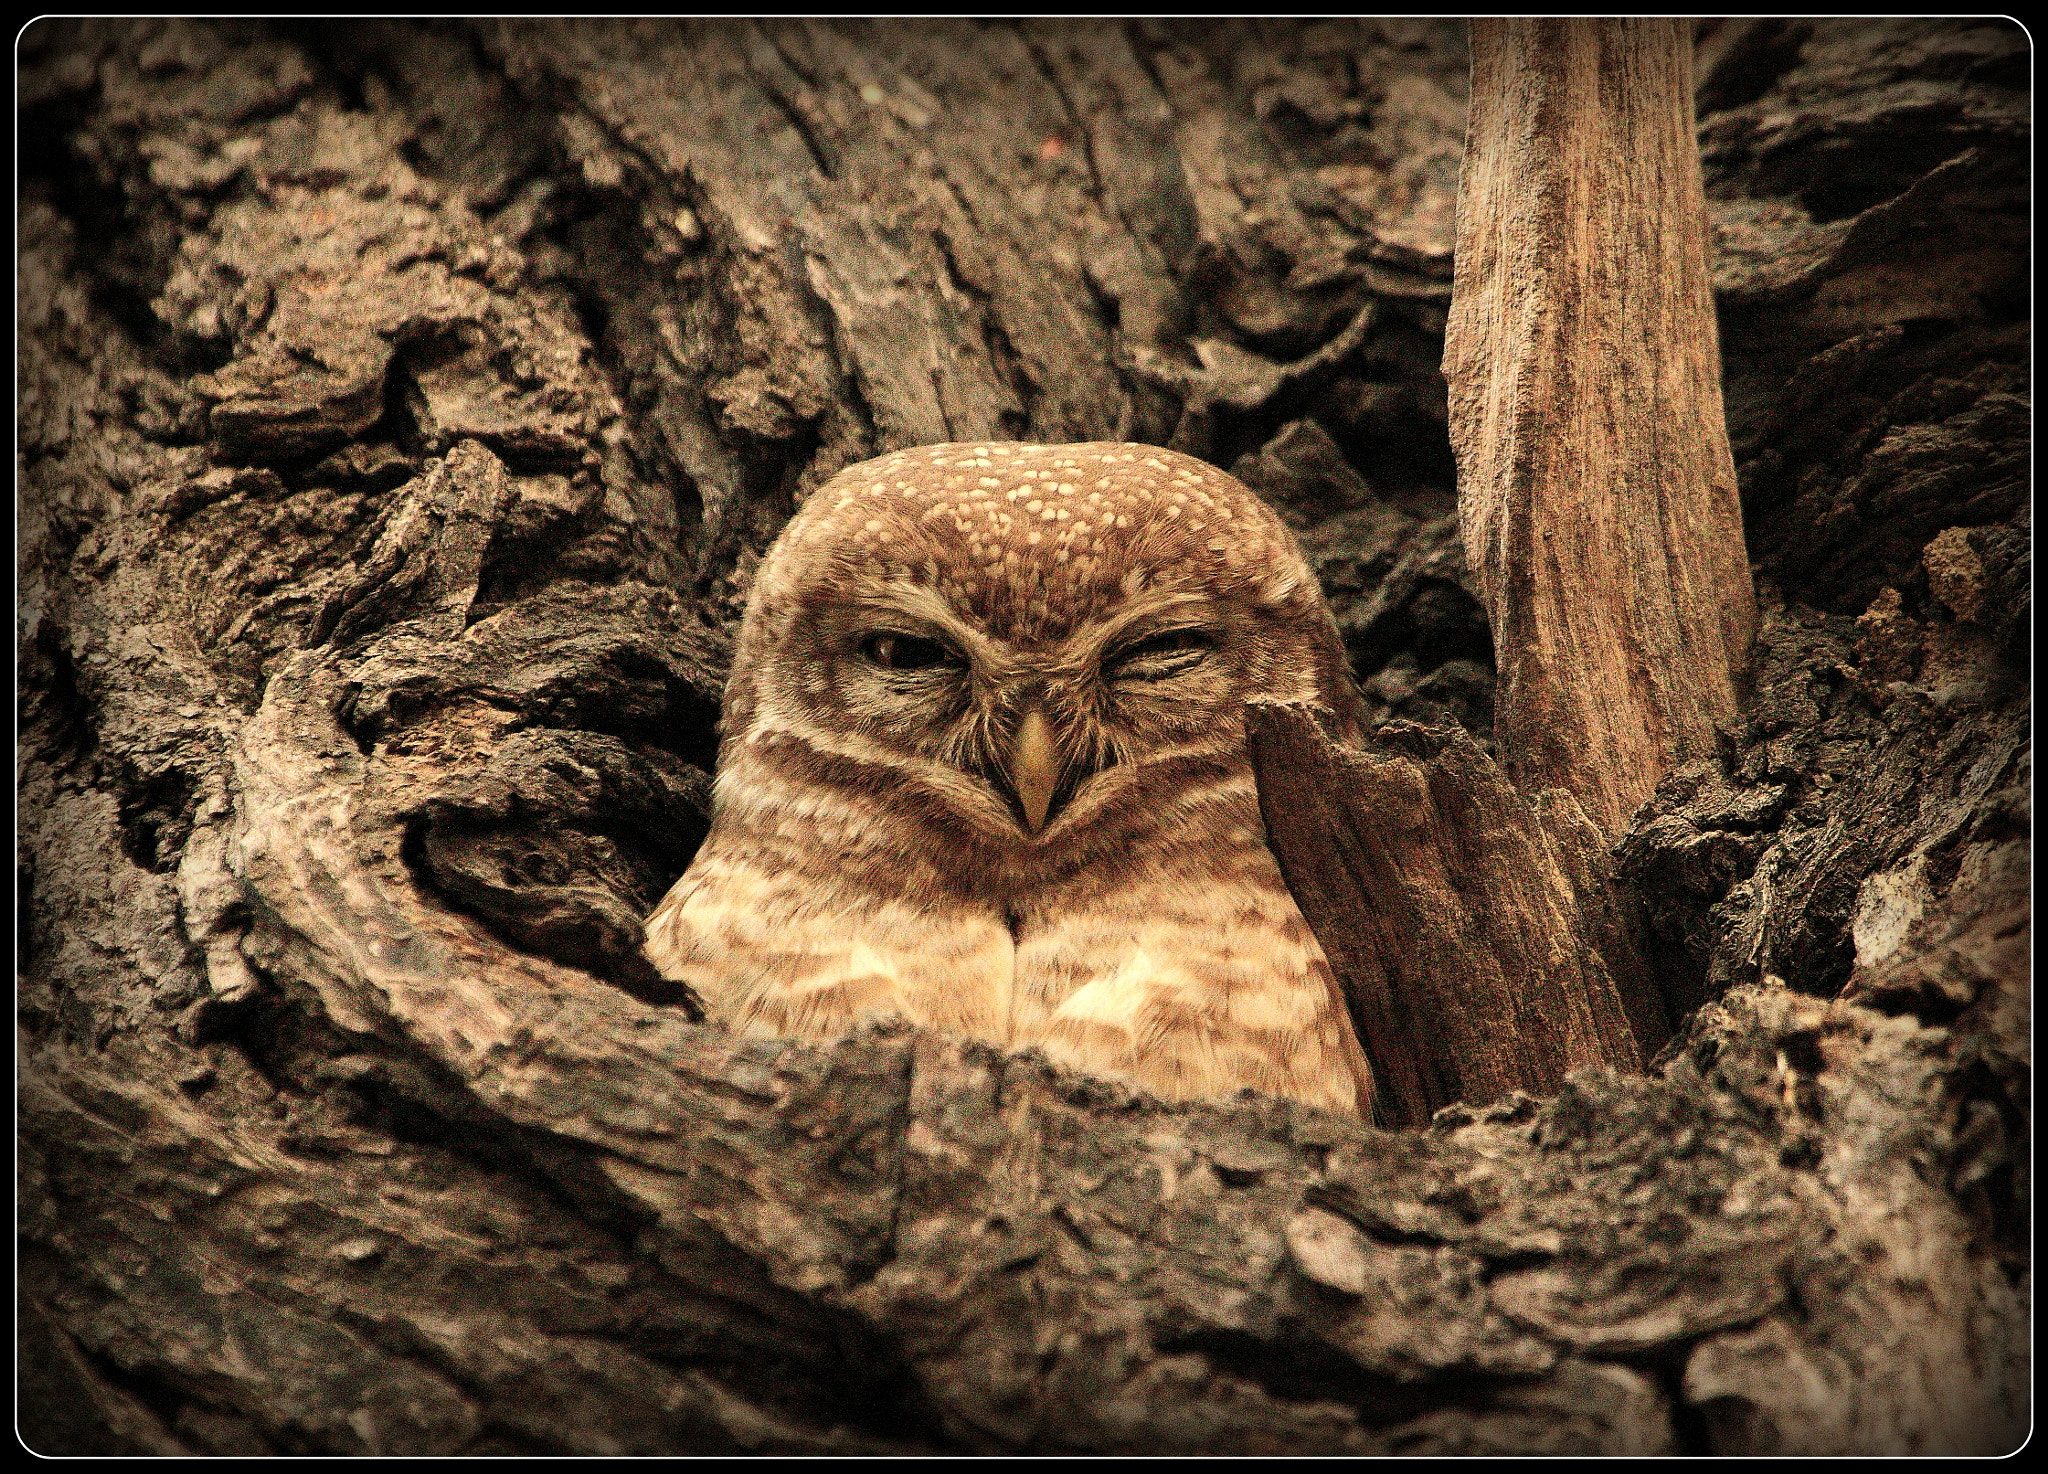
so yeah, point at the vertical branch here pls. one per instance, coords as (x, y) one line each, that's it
(1596, 488)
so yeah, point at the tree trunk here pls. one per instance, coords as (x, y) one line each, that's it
(1480, 935)
(1596, 488)
(404, 407)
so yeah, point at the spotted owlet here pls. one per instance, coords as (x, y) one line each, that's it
(984, 766)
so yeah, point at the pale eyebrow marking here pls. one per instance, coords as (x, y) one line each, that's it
(918, 602)
(1093, 639)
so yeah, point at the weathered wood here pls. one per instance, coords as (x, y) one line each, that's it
(1470, 940)
(1596, 486)
(1610, 914)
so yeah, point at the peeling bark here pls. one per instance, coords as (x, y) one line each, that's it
(402, 409)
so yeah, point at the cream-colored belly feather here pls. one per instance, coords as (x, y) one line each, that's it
(1185, 996)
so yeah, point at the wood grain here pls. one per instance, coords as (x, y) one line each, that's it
(1469, 938)
(1596, 488)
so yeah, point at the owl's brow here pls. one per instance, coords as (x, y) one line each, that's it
(1148, 611)
(926, 608)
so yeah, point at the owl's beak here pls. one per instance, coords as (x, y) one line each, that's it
(1034, 767)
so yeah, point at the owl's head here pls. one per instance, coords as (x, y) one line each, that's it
(1015, 629)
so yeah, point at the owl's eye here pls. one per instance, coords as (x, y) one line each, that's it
(908, 652)
(1154, 658)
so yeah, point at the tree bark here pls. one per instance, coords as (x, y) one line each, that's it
(403, 408)
(1459, 916)
(1482, 952)
(1596, 486)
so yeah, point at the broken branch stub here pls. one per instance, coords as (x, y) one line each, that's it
(1596, 489)
(1475, 935)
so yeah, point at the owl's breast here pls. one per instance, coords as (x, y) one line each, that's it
(1166, 954)
(773, 952)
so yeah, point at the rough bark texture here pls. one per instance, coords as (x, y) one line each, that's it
(1596, 490)
(403, 408)
(1478, 934)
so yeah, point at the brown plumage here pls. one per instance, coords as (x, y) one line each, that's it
(983, 765)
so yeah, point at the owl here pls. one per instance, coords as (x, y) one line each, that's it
(983, 765)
